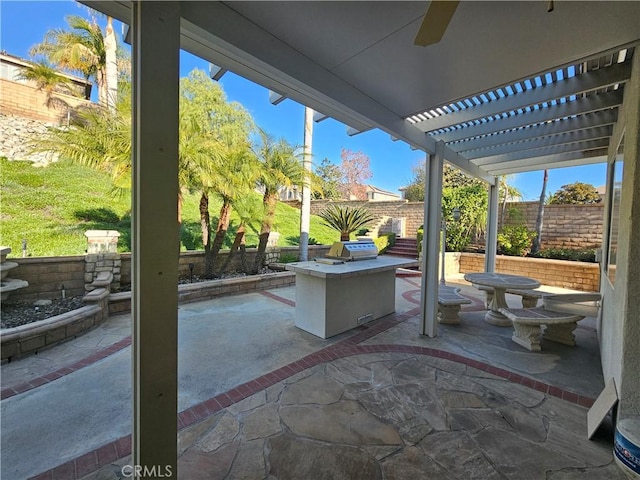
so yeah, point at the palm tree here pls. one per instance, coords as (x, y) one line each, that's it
(229, 169)
(232, 180)
(248, 210)
(506, 192)
(97, 138)
(281, 167)
(346, 219)
(537, 240)
(83, 49)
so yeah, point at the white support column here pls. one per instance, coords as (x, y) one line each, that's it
(155, 68)
(491, 237)
(305, 207)
(431, 242)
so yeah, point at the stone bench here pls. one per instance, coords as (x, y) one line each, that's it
(449, 303)
(529, 297)
(527, 323)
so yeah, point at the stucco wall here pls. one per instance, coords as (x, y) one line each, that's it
(620, 323)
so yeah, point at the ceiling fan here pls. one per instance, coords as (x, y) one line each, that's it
(437, 18)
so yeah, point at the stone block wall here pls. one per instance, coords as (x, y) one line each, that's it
(564, 226)
(582, 276)
(46, 275)
(27, 101)
(412, 212)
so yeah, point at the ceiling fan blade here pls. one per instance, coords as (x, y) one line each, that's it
(435, 22)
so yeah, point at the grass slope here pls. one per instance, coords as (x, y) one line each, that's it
(51, 207)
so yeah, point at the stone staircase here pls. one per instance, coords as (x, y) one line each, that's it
(404, 247)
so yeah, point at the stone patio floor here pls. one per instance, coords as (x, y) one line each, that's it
(381, 402)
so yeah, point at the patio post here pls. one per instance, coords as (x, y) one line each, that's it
(431, 242)
(155, 237)
(491, 237)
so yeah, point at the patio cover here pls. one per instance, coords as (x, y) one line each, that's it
(509, 88)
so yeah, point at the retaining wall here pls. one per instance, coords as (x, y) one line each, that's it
(46, 275)
(582, 276)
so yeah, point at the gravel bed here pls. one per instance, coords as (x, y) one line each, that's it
(21, 313)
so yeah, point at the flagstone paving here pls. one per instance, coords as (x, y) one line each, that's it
(393, 416)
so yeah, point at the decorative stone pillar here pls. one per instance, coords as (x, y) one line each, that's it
(272, 254)
(102, 258)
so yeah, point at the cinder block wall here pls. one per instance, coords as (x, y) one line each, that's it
(27, 101)
(565, 226)
(47, 275)
(582, 276)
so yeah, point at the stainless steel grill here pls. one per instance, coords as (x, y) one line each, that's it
(347, 251)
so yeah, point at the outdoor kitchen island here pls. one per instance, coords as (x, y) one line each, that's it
(331, 299)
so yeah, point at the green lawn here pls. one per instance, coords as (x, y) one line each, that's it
(51, 207)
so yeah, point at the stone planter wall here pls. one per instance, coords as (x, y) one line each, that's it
(33, 337)
(195, 292)
(582, 276)
(46, 275)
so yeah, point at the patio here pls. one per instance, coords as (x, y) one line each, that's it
(381, 401)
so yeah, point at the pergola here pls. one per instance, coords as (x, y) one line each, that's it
(510, 88)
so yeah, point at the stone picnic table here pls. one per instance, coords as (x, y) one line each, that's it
(500, 282)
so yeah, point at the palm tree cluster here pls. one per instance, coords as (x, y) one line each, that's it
(217, 157)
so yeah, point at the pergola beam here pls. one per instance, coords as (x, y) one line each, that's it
(561, 160)
(585, 82)
(591, 120)
(541, 152)
(580, 106)
(550, 141)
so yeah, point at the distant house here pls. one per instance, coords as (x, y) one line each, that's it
(22, 98)
(375, 194)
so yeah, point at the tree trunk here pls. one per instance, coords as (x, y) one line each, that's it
(538, 240)
(221, 232)
(111, 67)
(237, 242)
(344, 237)
(269, 201)
(180, 202)
(205, 229)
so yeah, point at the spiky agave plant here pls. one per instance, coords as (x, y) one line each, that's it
(346, 219)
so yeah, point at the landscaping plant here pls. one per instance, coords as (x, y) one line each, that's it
(515, 240)
(346, 220)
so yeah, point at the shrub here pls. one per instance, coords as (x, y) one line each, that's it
(578, 254)
(288, 258)
(385, 241)
(515, 240)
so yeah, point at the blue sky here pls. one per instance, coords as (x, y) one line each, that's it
(23, 24)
